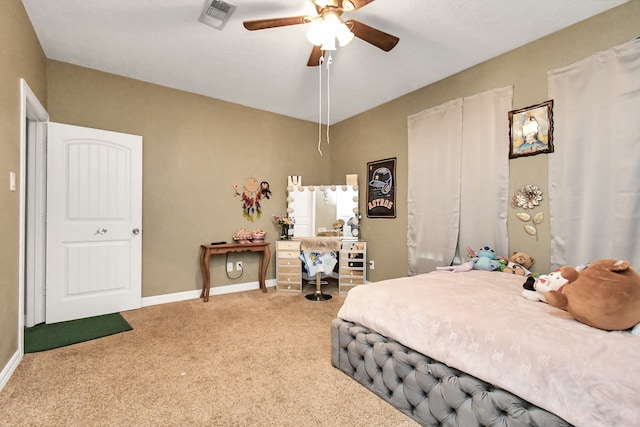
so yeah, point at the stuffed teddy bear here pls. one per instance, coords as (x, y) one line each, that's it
(535, 288)
(519, 263)
(484, 259)
(605, 295)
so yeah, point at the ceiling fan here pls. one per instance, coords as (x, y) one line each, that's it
(330, 14)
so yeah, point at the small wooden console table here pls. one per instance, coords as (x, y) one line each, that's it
(208, 250)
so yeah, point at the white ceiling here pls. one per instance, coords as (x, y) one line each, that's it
(162, 42)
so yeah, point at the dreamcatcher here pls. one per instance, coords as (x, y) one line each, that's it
(252, 192)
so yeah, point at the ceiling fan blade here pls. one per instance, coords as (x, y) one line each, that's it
(314, 59)
(262, 24)
(371, 35)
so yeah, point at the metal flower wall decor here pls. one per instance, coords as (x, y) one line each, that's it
(527, 198)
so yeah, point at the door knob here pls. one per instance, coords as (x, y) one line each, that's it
(136, 231)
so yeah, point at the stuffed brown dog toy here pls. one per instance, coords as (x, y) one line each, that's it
(605, 294)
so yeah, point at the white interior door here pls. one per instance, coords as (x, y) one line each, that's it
(94, 222)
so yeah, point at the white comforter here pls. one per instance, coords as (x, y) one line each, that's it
(479, 323)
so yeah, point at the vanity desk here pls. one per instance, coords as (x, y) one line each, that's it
(352, 263)
(317, 210)
(288, 266)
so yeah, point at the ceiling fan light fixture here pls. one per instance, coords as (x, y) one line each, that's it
(325, 31)
(344, 35)
(330, 19)
(329, 43)
(315, 33)
(348, 5)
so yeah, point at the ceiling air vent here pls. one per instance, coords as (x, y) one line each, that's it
(216, 13)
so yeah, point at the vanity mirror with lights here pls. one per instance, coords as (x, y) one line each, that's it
(316, 211)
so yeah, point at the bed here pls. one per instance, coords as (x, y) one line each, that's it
(466, 349)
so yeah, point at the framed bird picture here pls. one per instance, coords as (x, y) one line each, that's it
(531, 130)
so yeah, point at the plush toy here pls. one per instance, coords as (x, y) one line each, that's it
(484, 259)
(519, 263)
(605, 295)
(535, 288)
(354, 223)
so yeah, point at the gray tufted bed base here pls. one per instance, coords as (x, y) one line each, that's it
(426, 390)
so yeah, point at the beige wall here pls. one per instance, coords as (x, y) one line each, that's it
(21, 57)
(382, 132)
(195, 149)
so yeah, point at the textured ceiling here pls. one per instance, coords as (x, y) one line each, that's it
(162, 42)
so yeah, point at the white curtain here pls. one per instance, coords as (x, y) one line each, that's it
(458, 179)
(484, 204)
(435, 156)
(594, 173)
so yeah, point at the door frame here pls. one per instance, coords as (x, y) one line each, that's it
(31, 258)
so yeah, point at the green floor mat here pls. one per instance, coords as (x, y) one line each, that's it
(46, 337)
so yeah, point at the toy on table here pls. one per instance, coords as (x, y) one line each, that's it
(605, 295)
(354, 223)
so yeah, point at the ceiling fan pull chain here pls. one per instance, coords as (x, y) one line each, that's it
(320, 103)
(329, 61)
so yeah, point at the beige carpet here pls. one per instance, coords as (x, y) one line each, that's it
(245, 359)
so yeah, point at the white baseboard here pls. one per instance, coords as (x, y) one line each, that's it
(9, 368)
(217, 290)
